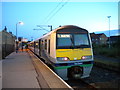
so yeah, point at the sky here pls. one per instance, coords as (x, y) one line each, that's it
(89, 15)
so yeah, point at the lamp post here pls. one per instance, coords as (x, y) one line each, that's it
(21, 23)
(109, 30)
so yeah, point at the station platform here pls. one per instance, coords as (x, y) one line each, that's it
(25, 70)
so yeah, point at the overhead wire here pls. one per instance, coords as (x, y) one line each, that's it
(54, 9)
(57, 10)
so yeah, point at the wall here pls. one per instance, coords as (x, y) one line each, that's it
(7, 44)
(103, 39)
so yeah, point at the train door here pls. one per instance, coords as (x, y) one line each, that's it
(34, 46)
(49, 47)
(40, 47)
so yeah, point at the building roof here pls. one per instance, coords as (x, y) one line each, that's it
(114, 38)
(93, 35)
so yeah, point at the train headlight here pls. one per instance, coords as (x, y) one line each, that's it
(86, 57)
(62, 58)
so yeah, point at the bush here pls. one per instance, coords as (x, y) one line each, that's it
(104, 50)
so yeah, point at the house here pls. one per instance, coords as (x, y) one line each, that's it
(114, 39)
(98, 38)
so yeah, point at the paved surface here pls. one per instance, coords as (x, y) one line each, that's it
(19, 72)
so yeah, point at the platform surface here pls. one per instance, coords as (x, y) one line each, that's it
(18, 71)
(25, 70)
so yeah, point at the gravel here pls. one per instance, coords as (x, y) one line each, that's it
(103, 78)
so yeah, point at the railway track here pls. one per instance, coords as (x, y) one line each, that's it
(82, 84)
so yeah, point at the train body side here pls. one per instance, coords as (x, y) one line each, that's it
(68, 60)
(48, 48)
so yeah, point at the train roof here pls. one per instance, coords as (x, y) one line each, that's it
(62, 27)
(69, 26)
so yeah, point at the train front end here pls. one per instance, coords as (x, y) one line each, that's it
(73, 53)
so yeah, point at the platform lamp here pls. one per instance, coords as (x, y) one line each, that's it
(18, 23)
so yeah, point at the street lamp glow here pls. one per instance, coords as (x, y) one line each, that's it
(20, 22)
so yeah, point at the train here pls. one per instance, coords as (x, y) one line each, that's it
(68, 49)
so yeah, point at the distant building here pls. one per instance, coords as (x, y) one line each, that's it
(113, 39)
(24, 40)
(98, 38)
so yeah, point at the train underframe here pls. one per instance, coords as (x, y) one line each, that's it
(76, 72)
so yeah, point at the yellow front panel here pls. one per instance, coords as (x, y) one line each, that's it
(73, 54)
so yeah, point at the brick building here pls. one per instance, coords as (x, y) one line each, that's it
(114, 39)
(98, 38)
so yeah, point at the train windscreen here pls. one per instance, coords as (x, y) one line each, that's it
(72, 41)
